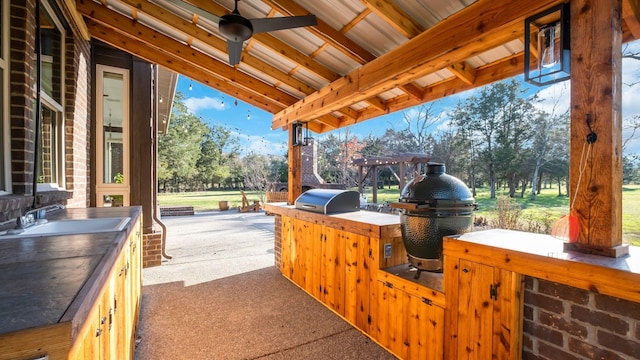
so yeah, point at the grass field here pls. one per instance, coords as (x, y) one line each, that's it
(547, 208)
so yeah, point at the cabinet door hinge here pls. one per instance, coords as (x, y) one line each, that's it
(388, 284)
(427, 301)
(493, 291)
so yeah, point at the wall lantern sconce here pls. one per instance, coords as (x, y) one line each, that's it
(552, 42)
(300, 134)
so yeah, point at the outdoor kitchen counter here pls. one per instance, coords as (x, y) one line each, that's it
(544, 257)
(367, 223)
(43, 278)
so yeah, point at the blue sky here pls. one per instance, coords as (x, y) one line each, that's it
(253, 126)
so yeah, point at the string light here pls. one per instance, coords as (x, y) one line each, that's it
(248, 114)
(222, 101)
(190, 86)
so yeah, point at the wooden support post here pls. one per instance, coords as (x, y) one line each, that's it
(360, 179)
(374, 183)
(403, 173)
(596, 94)
(295, 169)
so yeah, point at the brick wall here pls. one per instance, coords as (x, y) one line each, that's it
(277, 244)
(22, 41)
(78, 121)
(77, 90)
(152, 249)
(562, 322)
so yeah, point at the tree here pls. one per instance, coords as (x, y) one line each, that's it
(179, 149)
(216, 150)
(420, 123)
(497, 118)
(336, 152)
(549, 130)
(259, 171)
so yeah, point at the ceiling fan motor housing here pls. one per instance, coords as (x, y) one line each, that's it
(235, 27)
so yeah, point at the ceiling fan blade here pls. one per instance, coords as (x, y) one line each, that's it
(196, 10)
(281, 23)
(235, 51)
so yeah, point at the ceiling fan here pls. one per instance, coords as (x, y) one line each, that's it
(236, 28)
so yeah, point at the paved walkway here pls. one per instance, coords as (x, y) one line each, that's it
(220, 297)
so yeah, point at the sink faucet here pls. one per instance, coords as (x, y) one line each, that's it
(26, 220)
(32, 216)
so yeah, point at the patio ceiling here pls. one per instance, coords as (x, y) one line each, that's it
(363, 59)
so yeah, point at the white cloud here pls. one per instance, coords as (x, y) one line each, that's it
(195, 105)
(260, 145)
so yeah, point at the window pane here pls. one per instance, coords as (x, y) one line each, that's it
(113, 160)
(48, 147)
(51, 57)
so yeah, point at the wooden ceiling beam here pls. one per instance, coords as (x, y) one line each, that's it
(322, 30)
(393, 15)
(412, 90)
(133, 29)
(470, 29)
(154, 55)
(463, 71)
(485, 75)
(295, 56)
(631, 16)
(345, 29)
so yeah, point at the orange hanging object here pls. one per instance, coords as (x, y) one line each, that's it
(567, 228)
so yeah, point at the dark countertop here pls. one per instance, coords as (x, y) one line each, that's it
(41, 276)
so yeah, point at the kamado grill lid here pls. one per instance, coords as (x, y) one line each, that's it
(436, 187)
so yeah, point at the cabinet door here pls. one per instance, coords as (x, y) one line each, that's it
(475, 311)
(487, 312)
(409, 326)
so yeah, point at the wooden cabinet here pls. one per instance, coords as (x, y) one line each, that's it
(322, 260)
(334, 266)
(409, 325)
(484, 310)
(109, 331)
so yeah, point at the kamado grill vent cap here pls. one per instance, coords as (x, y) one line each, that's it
(436, 186)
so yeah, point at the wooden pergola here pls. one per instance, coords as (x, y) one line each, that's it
(344, 70)
(372, 163)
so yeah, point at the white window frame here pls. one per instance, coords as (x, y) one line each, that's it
(5, 140)
(58, 107)
(106, 189)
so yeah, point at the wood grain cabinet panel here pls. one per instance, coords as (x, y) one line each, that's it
(334, 266)
(484, 311)
(410, 326)
(109, 331)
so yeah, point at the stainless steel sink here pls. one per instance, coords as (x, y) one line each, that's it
(69, 227)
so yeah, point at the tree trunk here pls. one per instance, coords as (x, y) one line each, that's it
(559, 187)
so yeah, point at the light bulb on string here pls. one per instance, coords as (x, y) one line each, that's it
(222, 101)
(235, 102)
(190, 86)
(248, 114)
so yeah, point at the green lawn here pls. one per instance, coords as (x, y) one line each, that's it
(547, 208)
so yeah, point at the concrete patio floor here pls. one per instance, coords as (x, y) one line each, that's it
(220, 297)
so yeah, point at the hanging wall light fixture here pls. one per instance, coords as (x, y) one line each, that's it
(300, 134)
(550, 30)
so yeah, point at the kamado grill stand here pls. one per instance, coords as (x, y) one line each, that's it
(432, 206)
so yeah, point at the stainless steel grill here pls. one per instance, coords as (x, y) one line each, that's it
(328, 201)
